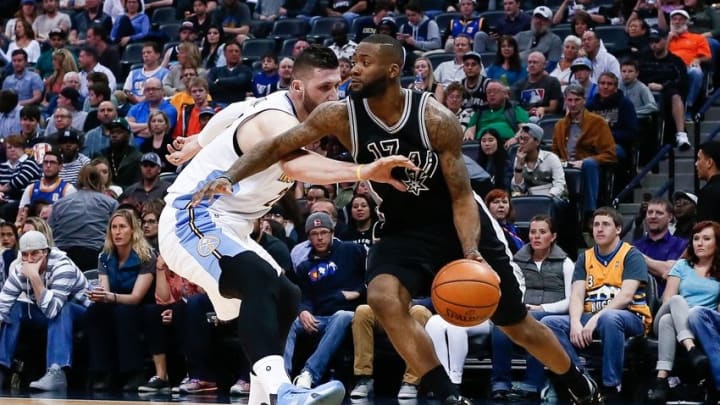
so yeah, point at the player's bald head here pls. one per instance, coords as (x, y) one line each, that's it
(389, 49)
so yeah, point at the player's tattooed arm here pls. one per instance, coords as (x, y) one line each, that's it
(446, 136)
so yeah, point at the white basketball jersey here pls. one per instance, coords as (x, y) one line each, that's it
(252, 197)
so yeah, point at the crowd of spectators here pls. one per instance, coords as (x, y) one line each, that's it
(93, 93)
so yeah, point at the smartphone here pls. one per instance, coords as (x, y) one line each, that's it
(211, 318)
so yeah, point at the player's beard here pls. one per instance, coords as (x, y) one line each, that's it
(374, 88)
(308, 103)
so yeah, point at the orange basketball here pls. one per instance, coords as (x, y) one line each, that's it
(465, 293)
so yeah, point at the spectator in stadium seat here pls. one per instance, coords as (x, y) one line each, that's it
(685, 212)
(665, 72)
(453, 70)
(420, 33)
(91, 14)
(453, 100)
(98, 138)
(547, 272)
(513, 22)
(127, 270)
(139, 114)
(9, 113)
(151, 69)
(349, 10)
(9, 246)
(499, 113)
(493, 158)
(72, 159)
(500, 207)
(638, 93)
(691, 283)
(16, 173)
(423, 69)
(188, 56)
(708, 169)
(659, 247)
(69, 105)
(159, 140)
(28, 84)
(79, 220)
(56, 289)
(583, 140)
(28, 11)
(230, 83)
(474, 82)
(581, 69)
(50, 19)
(563, 69)
(265, 81)
(539, 93)
(188, 119)
(109, 56)
(132, 26)
(44, 65)
(507, 67)
(103, 167)
(607, 300)
(540, 39)
(151, 186)
(536, 171)
(234, 16)
(123, 158)
(30, 125)
(602, 60)
(89, 62)
(382, 9)
(201, 18)
(468, 23)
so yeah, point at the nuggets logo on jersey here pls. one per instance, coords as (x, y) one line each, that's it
(322, 270)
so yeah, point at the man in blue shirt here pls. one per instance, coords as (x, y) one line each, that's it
(139, 114)
(27, 84)
(659, 247)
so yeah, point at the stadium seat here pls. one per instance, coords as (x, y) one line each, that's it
(356, 24)
(492, 17)
(437, 58)
(164, 15)
(255, 49)
(287, 47)
(614, 38)
(172, 30)
(548, 126)
(561, 30)
(290, 28)
(526, 207)
(322, 28)
(169, 45)
(131, 56)
(487, 58)
(471, 149)
(406, 80)
(400, 20)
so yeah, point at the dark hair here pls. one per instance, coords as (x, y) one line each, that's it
(610, 212)
(153, 207)
(270, 55)
(314, 57)
(154, 45)
(396, 52)
(514, 58)
(371, 206)
(19, 51)
(98, 77)
(584, 17)
(325, 191)
(205, 54)
(100, 89)
(545, 218)
(14, 231)
(30, 112)
(611, 76)
(496, 193)
(711, 149)
(55, 152)
(631, 62)
(28, 28)
(498, 159)
(90, 50)
(414, 5)
(690, 255)
(454, 86)
(276, 228)
(141, 9)
(381, 5)
(100, 32)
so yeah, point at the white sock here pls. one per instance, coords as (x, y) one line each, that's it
(258, 395)
(270, 371)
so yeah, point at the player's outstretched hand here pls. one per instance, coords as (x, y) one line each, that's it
(211, 189)
(380, 170)
(182, 149)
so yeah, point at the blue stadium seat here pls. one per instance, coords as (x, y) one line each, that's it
(487, 58)
(289, 28)
(172, 30)
(356, 24)
(492, 17)
(614, 38)
(438, 58)
(254, 49)
(322, 27)
(287, 47)
(526, 207)
(164, 15)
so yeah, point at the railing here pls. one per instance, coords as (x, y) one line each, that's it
(665, 150)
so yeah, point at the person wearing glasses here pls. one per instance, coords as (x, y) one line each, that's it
(151, 68)
(49, 188)
(331, 280)
(139, 115)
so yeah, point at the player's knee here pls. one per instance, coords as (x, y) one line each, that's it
(384, 304)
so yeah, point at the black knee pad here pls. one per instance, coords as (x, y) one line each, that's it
(245, 273)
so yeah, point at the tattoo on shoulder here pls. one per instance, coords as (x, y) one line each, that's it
(443, 126)
(333, 118)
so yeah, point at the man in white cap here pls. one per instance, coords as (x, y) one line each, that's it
(693, 49)
(540, 39)
(56, 289)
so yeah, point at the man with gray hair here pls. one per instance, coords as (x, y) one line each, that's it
(538, 93)
(539, 38)
(56, 289)
(583, 141)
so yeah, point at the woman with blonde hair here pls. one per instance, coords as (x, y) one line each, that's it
(126, 269)
(425, 79)
(62, 62)
(188, 56)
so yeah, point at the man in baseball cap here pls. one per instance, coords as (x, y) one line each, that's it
(581, 69)
(124, 159)
(56, 290)
(539, 38)
(150, 187)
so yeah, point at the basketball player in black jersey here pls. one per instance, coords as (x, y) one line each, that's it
(436, 219)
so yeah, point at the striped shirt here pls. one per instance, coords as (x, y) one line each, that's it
(19, 175)
(62, 279)
(70, 170)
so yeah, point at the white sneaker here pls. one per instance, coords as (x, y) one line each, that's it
(53, 380)
(683, 143)
(241, 387)
(407, 391)
(303, 380)
(363, 389)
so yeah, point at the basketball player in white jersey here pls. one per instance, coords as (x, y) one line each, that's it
(209, 243)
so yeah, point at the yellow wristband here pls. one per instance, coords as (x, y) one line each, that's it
(357, 173)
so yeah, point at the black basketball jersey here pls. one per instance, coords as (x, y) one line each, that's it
(426, 203)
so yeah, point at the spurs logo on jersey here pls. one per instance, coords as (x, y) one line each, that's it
(426, 161)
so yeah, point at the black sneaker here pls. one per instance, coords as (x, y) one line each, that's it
(155, 384)
(594, 398)
(523, 395)
(500, 395)
(659, 391)
(457, 400)
(611, 395)
(699, 361)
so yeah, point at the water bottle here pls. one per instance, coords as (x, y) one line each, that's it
(419, 82)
